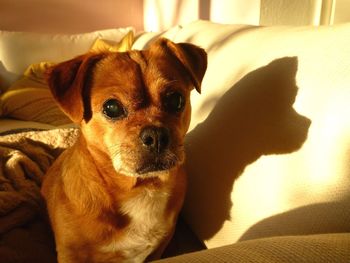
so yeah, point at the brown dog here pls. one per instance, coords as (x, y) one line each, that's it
(116, 194)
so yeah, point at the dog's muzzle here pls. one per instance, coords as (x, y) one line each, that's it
(157, 156)
(155, 139)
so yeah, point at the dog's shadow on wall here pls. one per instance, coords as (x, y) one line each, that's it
(254, 118)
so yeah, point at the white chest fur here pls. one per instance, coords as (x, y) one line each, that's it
(148, 226)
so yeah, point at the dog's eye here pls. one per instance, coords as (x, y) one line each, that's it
(174, 102)
(113, 109)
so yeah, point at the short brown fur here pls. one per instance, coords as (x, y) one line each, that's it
(101, 207)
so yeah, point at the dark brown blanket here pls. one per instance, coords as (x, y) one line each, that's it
(24, 160)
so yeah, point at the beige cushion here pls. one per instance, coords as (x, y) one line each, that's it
(327, 248)
(143, 39)
(268, 153)
(21, 49)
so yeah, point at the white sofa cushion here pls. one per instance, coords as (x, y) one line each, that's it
(18, 50)
(268, 153)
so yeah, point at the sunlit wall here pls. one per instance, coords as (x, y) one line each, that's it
(160, 15)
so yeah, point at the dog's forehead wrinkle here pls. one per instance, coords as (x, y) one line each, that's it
(120, 74)
(114, 69)
(139, 93)
(156, 73)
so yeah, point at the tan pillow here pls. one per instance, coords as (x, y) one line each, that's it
(30, 99)
(268, 153)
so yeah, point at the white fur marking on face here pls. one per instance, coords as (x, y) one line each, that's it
(120, 167)
(148, 226)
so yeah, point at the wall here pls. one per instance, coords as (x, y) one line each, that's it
(342, 11)
(72, 16)
(69, 16)
(161, 14)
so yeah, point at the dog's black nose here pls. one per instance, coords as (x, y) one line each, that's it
(155, 139)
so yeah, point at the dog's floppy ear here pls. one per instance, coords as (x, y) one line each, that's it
(70, 82)
(192, 57)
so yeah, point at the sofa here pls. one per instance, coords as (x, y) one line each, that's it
(268, 150)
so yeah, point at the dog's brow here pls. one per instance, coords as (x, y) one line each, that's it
(171, 82)
(164, 83)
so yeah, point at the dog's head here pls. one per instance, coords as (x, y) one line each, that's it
(133, 107)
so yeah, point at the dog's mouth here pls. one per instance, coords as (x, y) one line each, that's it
(143, 163)
(157, 165)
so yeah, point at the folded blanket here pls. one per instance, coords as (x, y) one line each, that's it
(24, 159)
